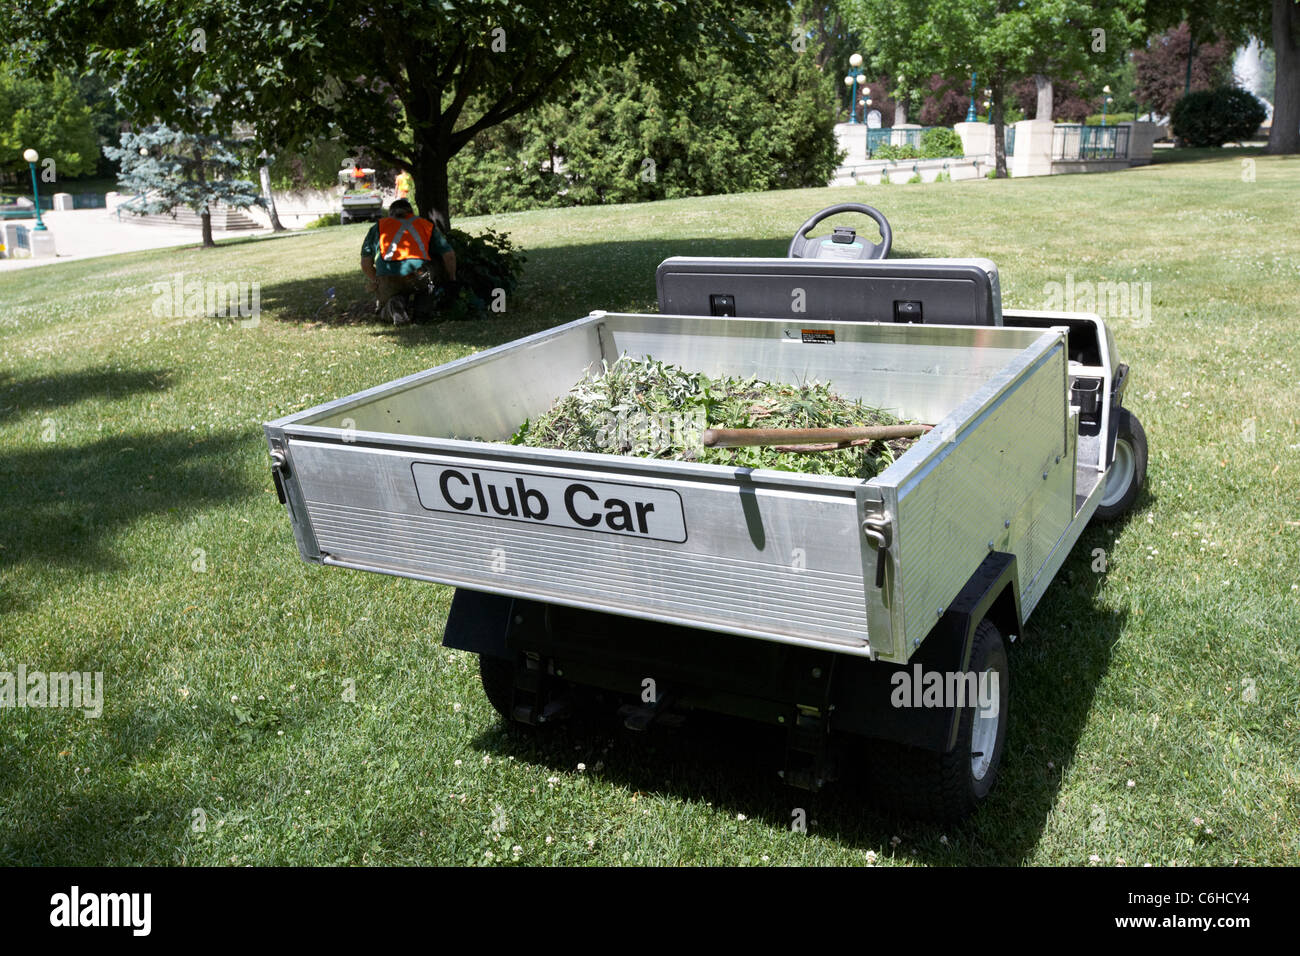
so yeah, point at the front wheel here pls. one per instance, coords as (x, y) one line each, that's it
(950, 786)
(1128, 471)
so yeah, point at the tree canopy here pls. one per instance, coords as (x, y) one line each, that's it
(50, 116)
(1001, 40)
(410, 81)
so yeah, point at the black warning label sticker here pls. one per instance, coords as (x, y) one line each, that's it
(819, 336)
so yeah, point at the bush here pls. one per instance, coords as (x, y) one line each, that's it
(484, 264)
(889, 151)
(916, 178)
(940, 143)
(1112, 119)
(329, 219)
(1214, 117)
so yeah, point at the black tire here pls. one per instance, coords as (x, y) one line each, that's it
(1128, 472)
(498, 676)
(949, 787)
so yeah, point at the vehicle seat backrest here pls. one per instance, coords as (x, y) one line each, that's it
(932, 291)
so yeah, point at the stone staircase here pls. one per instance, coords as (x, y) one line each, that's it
(224, 219)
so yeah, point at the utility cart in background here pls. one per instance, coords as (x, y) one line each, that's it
(792, 599)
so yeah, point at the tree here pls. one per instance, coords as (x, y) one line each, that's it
(410, 81)
(623, 137)
(1274, 22)
(1070, 103)
(1002, 40)
(945, 101)
(1284, 136)
(1162, 67)
(49, 116)
(169, 168)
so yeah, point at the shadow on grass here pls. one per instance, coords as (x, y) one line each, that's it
(103, 826)
(1056, 667)
(19, 396)
(559, 284)
(59, 502)
(1201, 154)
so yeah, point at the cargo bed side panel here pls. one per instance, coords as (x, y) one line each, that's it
(745, 558)
(1002, 480)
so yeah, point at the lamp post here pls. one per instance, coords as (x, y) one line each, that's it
(32, 156)
(1106, 100)
(852, 80)
(970, 113)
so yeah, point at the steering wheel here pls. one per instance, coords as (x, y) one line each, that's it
(843, 243)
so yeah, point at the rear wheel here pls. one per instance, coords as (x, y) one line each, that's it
(950, 786)
(498, 676)
(1128, 471)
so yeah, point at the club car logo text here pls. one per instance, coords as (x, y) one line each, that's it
(605, 506)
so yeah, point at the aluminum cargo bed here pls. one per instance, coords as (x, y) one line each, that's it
(400, 479)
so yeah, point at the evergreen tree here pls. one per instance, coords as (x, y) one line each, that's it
(168, 168)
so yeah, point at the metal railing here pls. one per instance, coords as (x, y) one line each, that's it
(1009, 140)
(1074, 141)
(885, 135)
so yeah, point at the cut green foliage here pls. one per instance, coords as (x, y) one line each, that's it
(651, 409)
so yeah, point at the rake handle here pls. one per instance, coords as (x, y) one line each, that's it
(744, 437)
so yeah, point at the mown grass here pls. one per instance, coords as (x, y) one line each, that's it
(258, 710)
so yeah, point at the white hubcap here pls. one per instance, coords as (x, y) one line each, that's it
(984, 732)
(1120, 475)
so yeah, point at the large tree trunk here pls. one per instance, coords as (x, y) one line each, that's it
(206, 217)
(1044, 109)
(432, 192)
(1285, 135)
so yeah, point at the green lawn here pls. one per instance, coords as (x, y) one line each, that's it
(1155, 717)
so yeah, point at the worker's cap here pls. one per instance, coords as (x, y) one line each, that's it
(400, 205)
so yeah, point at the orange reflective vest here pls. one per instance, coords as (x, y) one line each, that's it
(407, 238)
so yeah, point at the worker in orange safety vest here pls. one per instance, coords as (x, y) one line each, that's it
(405, 255)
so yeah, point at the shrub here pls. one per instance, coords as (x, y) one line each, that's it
(940, 143)
(1214, 117)
(916, 178)
(889, 151)
(484, 263)
(329, 219)
(1112, 119)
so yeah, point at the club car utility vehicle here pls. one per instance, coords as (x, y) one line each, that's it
(361, 200)
(807, 602)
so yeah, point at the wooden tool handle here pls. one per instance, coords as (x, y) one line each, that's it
(742, 437)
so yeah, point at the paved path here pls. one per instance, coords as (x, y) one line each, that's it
(86, 233)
